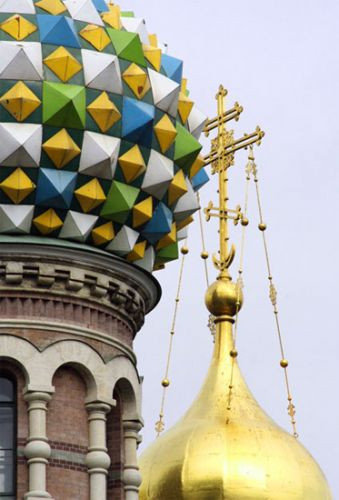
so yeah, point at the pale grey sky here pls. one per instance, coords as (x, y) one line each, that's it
(280, 60)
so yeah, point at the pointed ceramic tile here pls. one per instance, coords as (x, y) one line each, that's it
(147, 263)
(20, 61)
(19, 6)
(58, 30)
(138, 252)
(187, 149)
(20, 144)
(47, 222)
(63, 64)
(96, 36)
(187, 204)
(165, 92)
(160, 224)
(169, 238)
(103, 234)
(199, 180)
(159, 175)
(102, 71)
(64, 105)
(90, 195)
(83, 10)
(137, 122)
(124, 241)
(20, 101)
(61, 148)
(196, 122)
(17, 186)
(173, 67)
(127, 46)
(77, 226)
(104, 112)
(137, 80)
(135, 25)
(132, 164)
(99, 155)
(185, 106)
(142, 212)
(55, 188)
(54, 7)
(165, 132)
(112, 18)
(16, 219)
(153, 56)
(177, 187)
(18, 27)
(120, 201)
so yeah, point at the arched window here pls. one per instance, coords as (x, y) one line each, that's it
(7, 438)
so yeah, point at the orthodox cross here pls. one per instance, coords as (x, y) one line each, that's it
(221, 157)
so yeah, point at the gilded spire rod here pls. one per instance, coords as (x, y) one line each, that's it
(221, 157)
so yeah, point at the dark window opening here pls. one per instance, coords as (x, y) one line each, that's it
(7, 437)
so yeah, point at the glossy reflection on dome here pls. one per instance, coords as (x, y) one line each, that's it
(228, 448)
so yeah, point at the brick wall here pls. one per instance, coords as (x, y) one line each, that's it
(67, 430)
(22, 426)
(115, 451)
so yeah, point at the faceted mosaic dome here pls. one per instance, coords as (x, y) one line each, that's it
(98, 135)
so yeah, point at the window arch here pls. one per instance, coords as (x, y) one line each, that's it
(8, 408)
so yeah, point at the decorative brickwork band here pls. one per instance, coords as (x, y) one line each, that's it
(37, 450)
(132, 477)
(97, 459)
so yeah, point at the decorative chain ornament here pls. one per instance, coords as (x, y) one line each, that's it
(273, 295)
(160, 424)
(240, 286)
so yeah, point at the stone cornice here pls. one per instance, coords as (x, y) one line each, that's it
(107, 282)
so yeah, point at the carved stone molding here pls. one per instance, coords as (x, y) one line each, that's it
(75, 286)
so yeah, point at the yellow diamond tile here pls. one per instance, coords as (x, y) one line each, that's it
(18, 27)
(138, 252)
(177, 187)
(142, 212)
(169, 238)
(20, 101)
(96, 36)
(103, 234)
(153, 55)
(132, 164)
(54, 7)
(112, 18)
(63, 64)
(153, 40)
(61, 148)
(17, 186)
(104, 112)
(137, 80)
(90, 195)
(48, 222)
(185, 106)
(165, 132)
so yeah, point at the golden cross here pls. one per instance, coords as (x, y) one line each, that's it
(221, 157)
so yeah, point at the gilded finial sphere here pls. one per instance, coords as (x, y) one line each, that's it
(224, 298)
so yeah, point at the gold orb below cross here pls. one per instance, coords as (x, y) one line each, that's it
(224, 298)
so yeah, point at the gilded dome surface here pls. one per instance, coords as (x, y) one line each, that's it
(216, 453)
(99, 138)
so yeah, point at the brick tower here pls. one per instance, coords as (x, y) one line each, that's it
(99, 164)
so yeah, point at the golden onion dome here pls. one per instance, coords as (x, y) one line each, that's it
(228, 448)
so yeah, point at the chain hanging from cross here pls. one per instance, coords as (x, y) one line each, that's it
(221, 157)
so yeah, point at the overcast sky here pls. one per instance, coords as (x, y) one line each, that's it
(280, 61)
